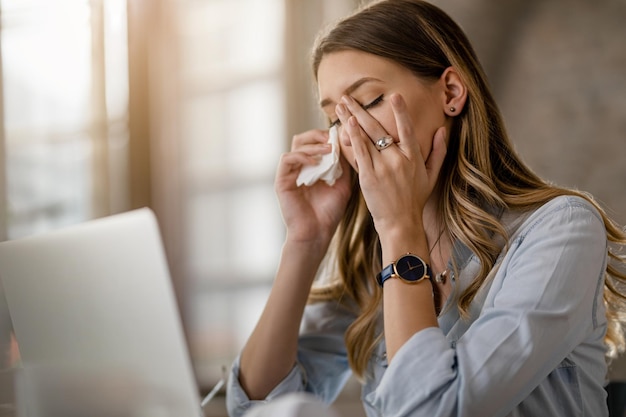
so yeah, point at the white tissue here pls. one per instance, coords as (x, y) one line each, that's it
(328, 169)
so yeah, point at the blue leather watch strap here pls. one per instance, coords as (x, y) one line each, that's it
(385, 274)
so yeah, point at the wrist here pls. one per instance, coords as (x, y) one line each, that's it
(403, 240)
(297, 269)
(314, 249)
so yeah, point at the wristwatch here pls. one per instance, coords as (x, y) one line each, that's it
(409, 268)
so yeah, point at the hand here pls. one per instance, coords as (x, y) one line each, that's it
(396, 182)
(311, 213)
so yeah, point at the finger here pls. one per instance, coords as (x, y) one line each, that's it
(406, 141)
(314, 149)
(311, 136)
(369, 124)
(292, 162)
(437, 155)
(344, 115)
(362, 146)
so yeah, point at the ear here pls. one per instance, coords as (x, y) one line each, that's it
(455, 92)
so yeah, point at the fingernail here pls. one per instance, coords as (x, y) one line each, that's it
(340, 109)
(345, 99)
(352, 121)
(395, 99)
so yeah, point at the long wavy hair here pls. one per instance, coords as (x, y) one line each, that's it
(482, 171)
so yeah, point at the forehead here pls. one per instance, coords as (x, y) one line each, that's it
(339, 71)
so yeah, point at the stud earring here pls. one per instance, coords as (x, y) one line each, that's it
(452, 109)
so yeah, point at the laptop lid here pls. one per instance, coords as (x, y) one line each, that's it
(95, 301)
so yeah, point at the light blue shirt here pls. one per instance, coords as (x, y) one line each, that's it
(533, 345)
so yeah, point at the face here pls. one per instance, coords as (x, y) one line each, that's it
(371, 80)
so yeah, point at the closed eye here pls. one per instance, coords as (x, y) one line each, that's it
(376, 101)
(368, 106)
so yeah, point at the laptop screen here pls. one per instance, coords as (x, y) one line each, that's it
(94, 303)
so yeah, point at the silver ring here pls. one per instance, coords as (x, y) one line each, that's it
(384, 142)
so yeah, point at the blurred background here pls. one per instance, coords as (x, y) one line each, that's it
(185, 106)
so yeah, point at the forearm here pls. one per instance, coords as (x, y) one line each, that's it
(270, 352)
(407, 308)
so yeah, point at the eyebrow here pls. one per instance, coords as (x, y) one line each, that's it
(350, 89)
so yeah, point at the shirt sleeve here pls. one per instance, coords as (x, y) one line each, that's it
(541, 305)
(322, 366)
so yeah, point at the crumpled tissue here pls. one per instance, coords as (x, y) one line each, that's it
(328, 169)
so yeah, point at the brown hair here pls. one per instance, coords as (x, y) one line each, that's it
(481, 170)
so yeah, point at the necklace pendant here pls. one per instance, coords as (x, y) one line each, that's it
(440, 278)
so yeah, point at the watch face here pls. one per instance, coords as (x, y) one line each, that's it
(410, 268)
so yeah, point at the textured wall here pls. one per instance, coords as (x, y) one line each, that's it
(558, 69)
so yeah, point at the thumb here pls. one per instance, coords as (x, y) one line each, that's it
(437, 155)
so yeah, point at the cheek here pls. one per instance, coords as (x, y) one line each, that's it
(387, 121)
(425, 124)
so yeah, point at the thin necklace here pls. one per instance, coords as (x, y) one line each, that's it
(435, 244)
(440, 278)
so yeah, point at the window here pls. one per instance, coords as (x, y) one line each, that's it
(232, 118)
(64, 82)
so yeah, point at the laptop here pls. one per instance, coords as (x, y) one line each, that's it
(96, 321)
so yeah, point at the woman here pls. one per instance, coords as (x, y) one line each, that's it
(457, 282)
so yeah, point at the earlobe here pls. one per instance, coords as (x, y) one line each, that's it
(455, 92)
